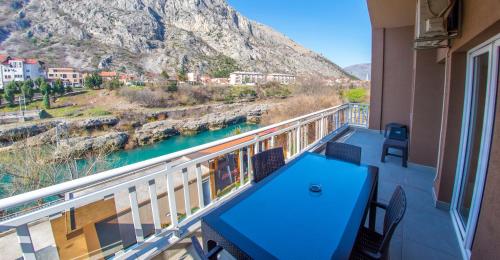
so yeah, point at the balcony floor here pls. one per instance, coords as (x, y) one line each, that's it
(425, 231)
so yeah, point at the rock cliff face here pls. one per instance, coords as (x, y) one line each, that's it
(151, 35)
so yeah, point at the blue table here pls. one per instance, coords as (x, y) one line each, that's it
(280, 218)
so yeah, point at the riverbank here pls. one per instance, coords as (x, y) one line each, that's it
(72, 138)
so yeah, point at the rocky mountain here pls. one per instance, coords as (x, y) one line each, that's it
(150, 35)
(361, 71)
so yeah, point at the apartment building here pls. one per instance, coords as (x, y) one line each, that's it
(246, 78)
(439, 75)
(19, 69)
(284, 79)
(69, 76)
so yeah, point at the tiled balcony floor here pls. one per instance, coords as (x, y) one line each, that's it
(425, 231)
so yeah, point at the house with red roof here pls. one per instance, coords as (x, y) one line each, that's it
(19, 69)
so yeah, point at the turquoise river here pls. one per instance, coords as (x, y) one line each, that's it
(174, 144)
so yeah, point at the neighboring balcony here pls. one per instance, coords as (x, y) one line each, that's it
(150, 208)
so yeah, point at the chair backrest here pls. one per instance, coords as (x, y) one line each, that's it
(267, 162)
(389, 126)
(393, 215)
(398, 133)
(344, 152)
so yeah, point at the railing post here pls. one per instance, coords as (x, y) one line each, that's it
(297, 132)
(240, 166)
(256, 145)
(322, 126)
(289, 143)
(154, 206)
(187, 197)
(199, 185)
(249, 164)
(171, 200)
(25, 242)
(349, 121)
(136, 218)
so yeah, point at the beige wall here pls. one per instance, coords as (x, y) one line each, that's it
(378, 36)
(407, 88)
(392, 76)
(427, 104)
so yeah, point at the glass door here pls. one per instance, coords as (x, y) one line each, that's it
(477, 127)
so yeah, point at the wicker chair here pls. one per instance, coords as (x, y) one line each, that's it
(389, 126)
(372, 245)
(201, 254)
(397, 139)
(344, 152)
(267, 162)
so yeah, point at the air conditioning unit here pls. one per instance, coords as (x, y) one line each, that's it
(437, 21)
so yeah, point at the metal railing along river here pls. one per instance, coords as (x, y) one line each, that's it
(126, 211)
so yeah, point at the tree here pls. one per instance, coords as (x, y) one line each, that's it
(115, 83)
(222, 66)
(45, 89)
(182, 74)
(43, 166)
(172, 86)
(27, 90)
(164, 74)
(93, 81)
(69, 89)
(58, 87)
(9, 93)
(39, 81)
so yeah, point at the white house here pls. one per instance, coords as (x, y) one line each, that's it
(19, 69)
(193, 77)
(246, 78)
(284, 79)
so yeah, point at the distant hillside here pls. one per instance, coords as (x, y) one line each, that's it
(151, 35)
(360, 71)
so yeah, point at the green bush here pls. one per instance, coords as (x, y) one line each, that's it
(356, 95)
(242, 92)
(9, 93)
(172, 86)
(115, 83)
(221, 66)
(93, 81)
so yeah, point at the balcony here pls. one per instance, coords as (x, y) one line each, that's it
(148, 209)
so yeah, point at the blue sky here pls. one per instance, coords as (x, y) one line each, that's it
(338, 29)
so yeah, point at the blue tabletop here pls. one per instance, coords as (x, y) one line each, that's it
(282, 217)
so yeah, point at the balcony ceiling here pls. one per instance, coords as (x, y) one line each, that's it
(392, 13)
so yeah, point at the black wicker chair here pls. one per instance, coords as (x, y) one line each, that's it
(267, 162)
(389, 126)
(372, 245)
(343, 152)
(397, 139)
(201, 254)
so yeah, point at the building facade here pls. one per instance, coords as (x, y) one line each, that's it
(19, 69)
(284, 79)
(246, 78)
(69, 76)
(447, 97)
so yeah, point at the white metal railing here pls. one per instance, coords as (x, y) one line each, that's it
(145, 181)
